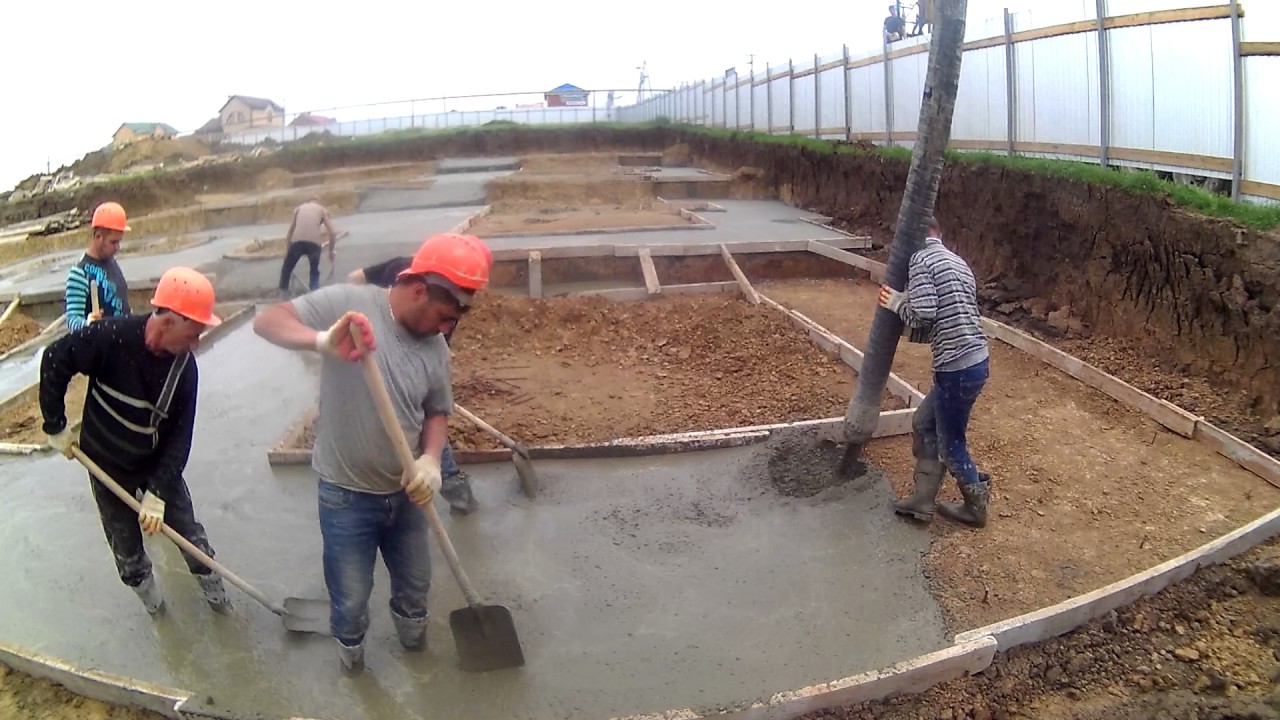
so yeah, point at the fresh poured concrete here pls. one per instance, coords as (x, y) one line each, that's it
(636, 585)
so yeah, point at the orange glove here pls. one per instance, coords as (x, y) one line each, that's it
(338, 341)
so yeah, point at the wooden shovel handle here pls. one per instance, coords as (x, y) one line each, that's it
(511, 444)
(93, 295)
(101, 476)
(373, 378)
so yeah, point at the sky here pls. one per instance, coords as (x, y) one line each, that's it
(75, 70)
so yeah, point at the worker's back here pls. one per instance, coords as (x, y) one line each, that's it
(308, 222)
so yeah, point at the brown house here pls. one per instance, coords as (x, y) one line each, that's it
(242, 113)
(130, 132)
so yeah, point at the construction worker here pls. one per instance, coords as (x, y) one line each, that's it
(139, 414)
(942, 296)
(305, 237)
(98, 266)
(366, 503)
(456, 486)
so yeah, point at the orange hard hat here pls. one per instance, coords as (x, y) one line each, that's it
(459, 263)
(187, 293)
(110, 216)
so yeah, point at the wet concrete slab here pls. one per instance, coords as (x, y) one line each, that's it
(636, 585)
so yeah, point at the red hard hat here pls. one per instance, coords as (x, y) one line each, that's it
(462, 261)
(187, 293)
(110, 216)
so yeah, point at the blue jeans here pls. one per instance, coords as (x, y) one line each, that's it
(355, 526)
(940, 424)
(448, 467)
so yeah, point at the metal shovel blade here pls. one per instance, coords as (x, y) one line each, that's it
(524, 469)
(306, 615)
(485, 636)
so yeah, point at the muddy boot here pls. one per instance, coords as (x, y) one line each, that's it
(149, 593)
(412, 631)
(456, 490)
(352, 656)
(214, 593)
(928, 480)
(974, 509)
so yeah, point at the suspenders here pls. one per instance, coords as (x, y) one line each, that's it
(159, 411)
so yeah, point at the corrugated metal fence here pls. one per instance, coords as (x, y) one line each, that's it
(1166, 101)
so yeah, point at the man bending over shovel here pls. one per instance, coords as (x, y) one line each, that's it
(139, 416)
(366, 503)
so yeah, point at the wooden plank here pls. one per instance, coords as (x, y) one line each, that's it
(748, 292)
(650, 272)
(1260, 189)
(93, 683)
(1165, 413)
(1259, 49)
(876, 269)
(535, 274)
(13, 305)
(1242, 453)
(1120, 21)
(831, 66)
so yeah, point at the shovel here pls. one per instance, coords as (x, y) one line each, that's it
(519, 453)
(101, 476)
(485, 635)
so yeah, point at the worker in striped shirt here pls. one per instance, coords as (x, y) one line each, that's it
(98, 267)
(942, 296)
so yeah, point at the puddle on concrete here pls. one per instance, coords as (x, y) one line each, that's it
(636, 585)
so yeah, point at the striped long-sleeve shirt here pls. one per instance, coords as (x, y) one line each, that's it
(942, 295)
(113, 293)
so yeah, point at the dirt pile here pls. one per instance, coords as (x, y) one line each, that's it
(17, 329)
(1206, 648)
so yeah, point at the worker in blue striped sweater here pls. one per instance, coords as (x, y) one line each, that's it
(942, 296)
(98, 267)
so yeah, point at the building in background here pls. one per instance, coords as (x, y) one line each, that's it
(242, 113)
(309, 120)
(131, 132)
(567, 96)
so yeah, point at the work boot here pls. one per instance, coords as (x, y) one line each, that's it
(148, 592)
(456, 490)
(928, 479)
(412, 631)
(352, 656)
(214, 593)
(974, 509)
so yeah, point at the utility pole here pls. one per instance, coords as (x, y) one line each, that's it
(751, 87)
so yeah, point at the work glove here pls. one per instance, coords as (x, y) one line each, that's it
(338, 342)
(892, 299)
(425, 481)
(151, 515)
(65, 440)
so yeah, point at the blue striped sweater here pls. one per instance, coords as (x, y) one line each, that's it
(942, 295)
(113, 292)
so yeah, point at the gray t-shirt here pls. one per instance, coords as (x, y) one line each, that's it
(351, 448)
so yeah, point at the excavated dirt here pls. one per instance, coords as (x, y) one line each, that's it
(23, 424)
(553, 218)
(1085, 491)
(1207, 648)
(17, 329)
(22, 696)
(582, 370)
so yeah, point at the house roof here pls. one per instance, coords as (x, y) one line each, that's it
(309, 119)
(567, 88)
(255, 103)
(147, 128)
(213, 127)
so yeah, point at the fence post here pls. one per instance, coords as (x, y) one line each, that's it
(1237, 70)
(791, 96)
(768, 98)
(1010, 83)
(888, 98)
(817, 99)
(737, 101)
(848, 98)
(751, 86)
(1104, 85)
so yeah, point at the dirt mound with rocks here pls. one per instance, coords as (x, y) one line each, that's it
(17, 329)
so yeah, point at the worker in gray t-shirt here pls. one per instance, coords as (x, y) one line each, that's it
(366, 502)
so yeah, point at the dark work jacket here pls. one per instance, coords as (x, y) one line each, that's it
(123, 429)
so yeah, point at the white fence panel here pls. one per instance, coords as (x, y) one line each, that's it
(867, 87)
(761, 116)
(731, 116)
(1063, 108)
(804, 108)
(907, 76)
(980, 101)
(831, 85)
(1261, 141)
(1132, 95)
(1192, 88)
(781, 89)
(744, 103)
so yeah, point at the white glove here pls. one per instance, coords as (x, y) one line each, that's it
(892, 299)
(338, 342)
(151, 516)
(425, 481)
(65, 440)
(93, 317)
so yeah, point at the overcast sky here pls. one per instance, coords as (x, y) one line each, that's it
(75, 70)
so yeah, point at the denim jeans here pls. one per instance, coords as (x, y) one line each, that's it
(448, 467)
(938, 430)
(354, 527)
(293, 254)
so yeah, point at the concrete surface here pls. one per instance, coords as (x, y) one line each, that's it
(448, 166)
(456, 189)
(636, 585)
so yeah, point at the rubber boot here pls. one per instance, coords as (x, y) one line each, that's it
(456, 490)
(974, 509)
(412, 631)
(214, 592)
(928, 480)
(352, 656)
(149, 593)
